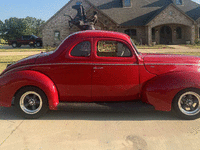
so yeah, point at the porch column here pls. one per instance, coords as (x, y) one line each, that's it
(149, 35)
(192, 38)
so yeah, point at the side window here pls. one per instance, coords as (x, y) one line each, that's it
(83, 49)
(25, 37)
(178, 2)
(56, 35)
(127, 3)
(112, 49)
(131, 32)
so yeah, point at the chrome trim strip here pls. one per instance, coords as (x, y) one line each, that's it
(89, 64)
(93, 64)
(157, 64)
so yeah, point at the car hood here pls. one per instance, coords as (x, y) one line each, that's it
(162, 63)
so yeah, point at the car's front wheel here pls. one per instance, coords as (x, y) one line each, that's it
(38, 44)
(14, 45)
(186, 104)
(31, 102)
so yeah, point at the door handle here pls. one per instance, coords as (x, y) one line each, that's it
(97, 67)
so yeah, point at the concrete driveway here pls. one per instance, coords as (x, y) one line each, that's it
(80, 130)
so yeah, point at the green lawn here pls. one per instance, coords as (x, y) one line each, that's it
(12, 58)
(193, 46)
(2, 66)
(185, 53)
(154, 47)
(4, 60)
(23, 50)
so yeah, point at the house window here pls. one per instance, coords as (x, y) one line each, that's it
(131, 32)
(178, 2)
(178, 33)
(57, 35)
(127, 3)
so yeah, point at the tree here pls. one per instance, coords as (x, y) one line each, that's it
(1, 27)
(14, 27)
(33, 26)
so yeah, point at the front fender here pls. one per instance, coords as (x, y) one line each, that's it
(10, 83)
(161, 90)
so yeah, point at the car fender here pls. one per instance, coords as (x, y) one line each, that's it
(10, 83)
(161, 90)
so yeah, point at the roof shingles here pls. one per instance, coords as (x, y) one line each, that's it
(142, 10)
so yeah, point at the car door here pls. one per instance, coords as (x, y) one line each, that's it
(73, 74)
(115, 74)
(25, 40)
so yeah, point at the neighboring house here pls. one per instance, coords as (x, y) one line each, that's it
(147, 21)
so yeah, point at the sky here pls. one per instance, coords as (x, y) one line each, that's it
(40, 9)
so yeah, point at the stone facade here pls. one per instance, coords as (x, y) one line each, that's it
(170, 26)
(173, 18)
(59, 23)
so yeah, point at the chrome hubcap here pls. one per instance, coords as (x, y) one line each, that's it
(31, 102)
(189, 103)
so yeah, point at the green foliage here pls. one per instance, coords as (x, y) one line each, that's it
(33, 26)
(197, 41)
(49, 48)
(135, 41)
(14, 27)
(2, 41)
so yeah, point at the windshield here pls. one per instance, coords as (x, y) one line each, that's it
(34, 36)
(134, 46)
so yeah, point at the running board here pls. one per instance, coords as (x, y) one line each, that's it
(111, 106)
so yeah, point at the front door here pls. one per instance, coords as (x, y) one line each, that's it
(115, 74)
(165, 35)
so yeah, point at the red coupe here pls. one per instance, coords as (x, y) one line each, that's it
(104, 68)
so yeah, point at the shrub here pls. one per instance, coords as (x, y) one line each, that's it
(2, 41)
(197, 41)
(135, 42)
(49, 48)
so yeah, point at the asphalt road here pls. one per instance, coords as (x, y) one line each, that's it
(81, 130)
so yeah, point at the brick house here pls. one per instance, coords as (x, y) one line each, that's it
(147, 21)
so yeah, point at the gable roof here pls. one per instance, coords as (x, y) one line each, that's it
(142, 10)
(162, 9)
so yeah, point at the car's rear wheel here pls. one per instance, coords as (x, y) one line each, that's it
(31, 102)
(14, 45)
(38, 44)
(186, 104)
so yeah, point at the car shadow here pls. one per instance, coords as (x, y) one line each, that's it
(99, 115)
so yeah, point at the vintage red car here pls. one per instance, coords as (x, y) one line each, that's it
(104, 68)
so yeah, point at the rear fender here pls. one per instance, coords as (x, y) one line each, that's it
(12, 82)
(161, 90)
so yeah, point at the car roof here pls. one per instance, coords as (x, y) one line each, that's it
(100, 34)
